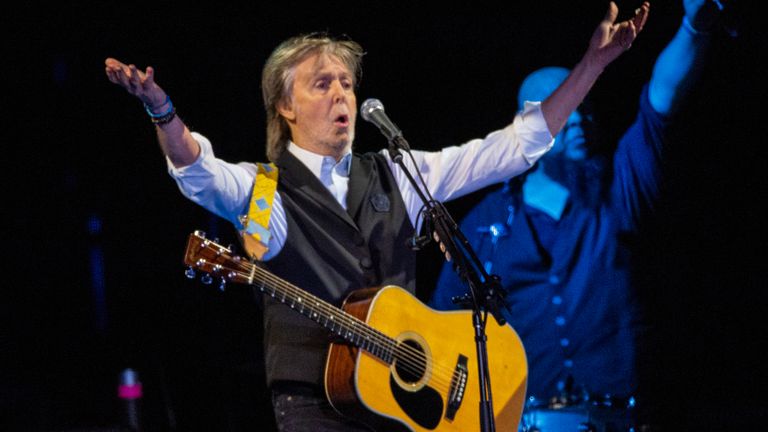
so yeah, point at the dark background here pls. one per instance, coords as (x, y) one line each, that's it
(97, 228)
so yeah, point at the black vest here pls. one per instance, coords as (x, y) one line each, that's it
(329, 252)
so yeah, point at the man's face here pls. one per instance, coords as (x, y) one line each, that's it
(572, 143)
(322, 107)
(573, 163)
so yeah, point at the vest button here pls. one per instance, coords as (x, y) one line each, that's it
(365, 262)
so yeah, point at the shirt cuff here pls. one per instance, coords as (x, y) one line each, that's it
(533, 132)
(196, 167)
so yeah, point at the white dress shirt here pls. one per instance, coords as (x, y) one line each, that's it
(225, 188)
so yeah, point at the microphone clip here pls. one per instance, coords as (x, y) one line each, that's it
(396, 144)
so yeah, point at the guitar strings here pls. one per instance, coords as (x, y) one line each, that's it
(411, 360)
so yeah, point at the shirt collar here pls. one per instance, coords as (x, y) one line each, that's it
(315, 162)
(545, 194)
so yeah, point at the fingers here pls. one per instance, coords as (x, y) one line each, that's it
(613, 12)
(118, 76)
(113, 69)
(641, 16)
(626, 31)
(134, 80)
(118, 72)
(635, 25)
(111, 63)
(628, 35)
(129, 77)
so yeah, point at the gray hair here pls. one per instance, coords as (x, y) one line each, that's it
(279, 72)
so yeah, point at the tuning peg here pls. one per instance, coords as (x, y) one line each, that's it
(206, 279)
(189, 273)
(222, 284)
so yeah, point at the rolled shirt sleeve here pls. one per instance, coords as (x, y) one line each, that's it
(456, 171)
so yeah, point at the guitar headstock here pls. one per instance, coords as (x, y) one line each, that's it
(215, 260)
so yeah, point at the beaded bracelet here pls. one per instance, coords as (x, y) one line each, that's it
(163, 114)
(165, 118)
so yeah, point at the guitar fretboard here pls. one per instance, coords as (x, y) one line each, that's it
(219, 261)
(335, 320)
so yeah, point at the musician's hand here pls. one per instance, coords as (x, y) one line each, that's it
(136, 82)
(610, 39)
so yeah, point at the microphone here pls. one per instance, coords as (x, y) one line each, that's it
(372, 111)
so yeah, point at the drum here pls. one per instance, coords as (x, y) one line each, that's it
(584, 416)
(570, 419)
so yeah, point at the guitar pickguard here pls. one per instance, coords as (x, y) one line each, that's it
(424, 406)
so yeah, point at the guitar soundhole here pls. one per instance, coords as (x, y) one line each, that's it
(410, 362)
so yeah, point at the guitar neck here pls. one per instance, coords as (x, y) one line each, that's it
(217, 260)
(333, 319)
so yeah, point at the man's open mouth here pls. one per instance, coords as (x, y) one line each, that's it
(342, 121)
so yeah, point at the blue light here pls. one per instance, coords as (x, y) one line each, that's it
(94, 225)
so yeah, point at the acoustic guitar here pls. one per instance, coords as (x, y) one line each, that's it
(398, 365)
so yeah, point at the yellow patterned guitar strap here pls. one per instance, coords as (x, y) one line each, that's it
(255, 232)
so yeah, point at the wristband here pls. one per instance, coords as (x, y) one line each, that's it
(163, 114)
(165, 118)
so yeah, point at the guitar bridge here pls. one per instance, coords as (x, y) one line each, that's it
(458, 386)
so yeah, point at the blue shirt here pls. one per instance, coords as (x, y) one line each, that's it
(568, 281)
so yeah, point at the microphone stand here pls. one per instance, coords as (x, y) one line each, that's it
(486, 293)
